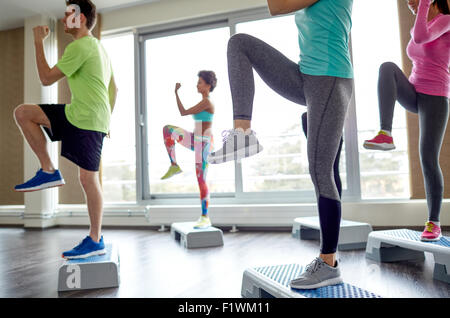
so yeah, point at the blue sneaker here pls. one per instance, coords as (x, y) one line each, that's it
(85, 249)
(40, 181)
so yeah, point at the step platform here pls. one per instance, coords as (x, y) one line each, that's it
(94, 272)
(273, 282)
(404, 244)
(352, 235)
(196, 238)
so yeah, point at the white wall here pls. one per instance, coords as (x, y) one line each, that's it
(171, 11)
(39, 206)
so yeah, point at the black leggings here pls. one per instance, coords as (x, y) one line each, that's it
(433, 116)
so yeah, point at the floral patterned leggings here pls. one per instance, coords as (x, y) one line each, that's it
(202, 146)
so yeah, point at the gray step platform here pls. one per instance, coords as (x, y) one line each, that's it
(94, 272)
(196, 238)
(352, 235)
(273, 282)
(403, 244)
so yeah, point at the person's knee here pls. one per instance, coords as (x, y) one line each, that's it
(20, 113)
(237, 40)
(387, 67)
(88, 179)
(430, 166)
(324, 183)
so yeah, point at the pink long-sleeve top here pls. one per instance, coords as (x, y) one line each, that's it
(429, 50)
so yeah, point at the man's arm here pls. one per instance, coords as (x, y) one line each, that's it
(112, 90)
(277, 7)
(47, 75)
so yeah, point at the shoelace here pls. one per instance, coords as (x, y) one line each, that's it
(36, 176)
(429, 227)
(227, 134)
(80, 244)
(313, 266)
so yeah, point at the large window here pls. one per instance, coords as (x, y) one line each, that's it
(179, 58)
(280, 173)
(383, 174)
(283, 166)
(119, 151)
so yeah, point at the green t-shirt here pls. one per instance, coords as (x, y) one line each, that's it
(323, 36)
(88, 70)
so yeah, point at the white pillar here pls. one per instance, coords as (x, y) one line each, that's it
(40, 206)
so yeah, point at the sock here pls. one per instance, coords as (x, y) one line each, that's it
(436, 223)
(51, 172)
(387, 132)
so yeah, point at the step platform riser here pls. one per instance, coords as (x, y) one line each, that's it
(95, 272)
(196, 238)
(405, 245)
(352, 235)
(273, 282)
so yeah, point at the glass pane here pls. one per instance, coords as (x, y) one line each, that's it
(179, 58)
(383, 174)
(119, 152)
(283, 165)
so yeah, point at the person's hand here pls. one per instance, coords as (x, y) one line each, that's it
(108, 135)
(41, 32)
(177, 87)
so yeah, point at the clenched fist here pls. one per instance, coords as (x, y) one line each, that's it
(41, 33)
(177, 86)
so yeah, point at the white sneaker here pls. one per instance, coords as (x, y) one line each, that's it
(236, 146)
(202, 223)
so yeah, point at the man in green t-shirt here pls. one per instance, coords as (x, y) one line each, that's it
(80, 126)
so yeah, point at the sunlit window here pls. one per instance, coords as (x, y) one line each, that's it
(283, 165)
(119, 152)
(383, 174)
(179, 58)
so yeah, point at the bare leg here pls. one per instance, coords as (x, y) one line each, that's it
(29, 118)
(241, 123)
(92, 189)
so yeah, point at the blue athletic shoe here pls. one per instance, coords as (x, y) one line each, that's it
(40, 181)
(85, 249)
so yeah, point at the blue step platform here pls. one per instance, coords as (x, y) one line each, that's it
(273, 282)
(404, 244)
(94, 272)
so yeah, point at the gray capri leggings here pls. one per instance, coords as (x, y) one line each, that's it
(327, 99)
(433, 116)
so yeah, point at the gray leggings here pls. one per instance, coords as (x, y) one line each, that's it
(327, 99)
(433, 116)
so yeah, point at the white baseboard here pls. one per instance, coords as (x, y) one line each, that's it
(382, 214)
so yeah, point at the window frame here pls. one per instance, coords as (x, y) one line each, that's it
(230, 20)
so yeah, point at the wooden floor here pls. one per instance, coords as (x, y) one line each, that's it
(154, 265)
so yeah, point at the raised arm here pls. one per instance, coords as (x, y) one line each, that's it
(203, 105)
(424, 34)
(277, 7)
(47, 75)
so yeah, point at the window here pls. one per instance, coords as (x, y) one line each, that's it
(383, 174)
(177, 52)
(179, 58)
(119, 151)
(283, 165)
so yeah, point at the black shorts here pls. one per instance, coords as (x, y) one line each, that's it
(82, 147)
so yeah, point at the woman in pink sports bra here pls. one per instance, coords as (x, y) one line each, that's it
(426, 93)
